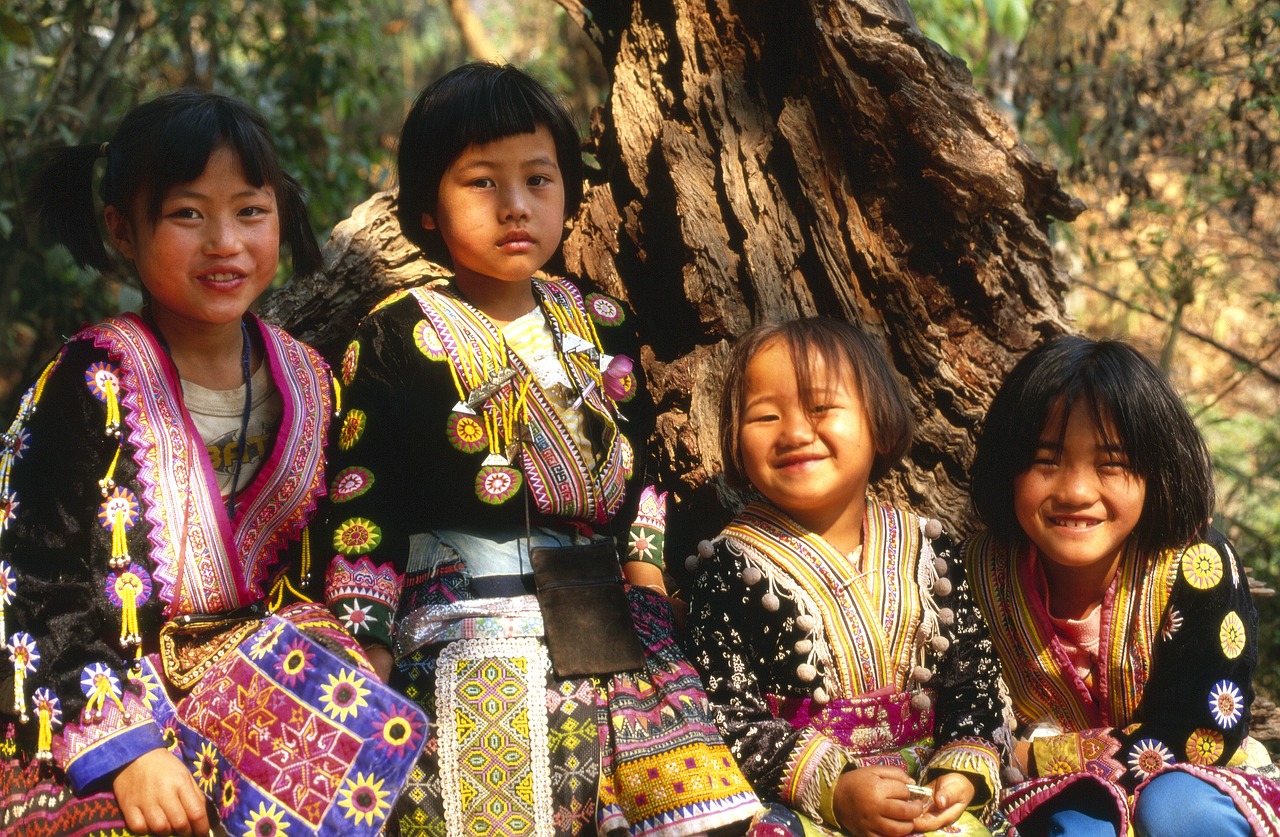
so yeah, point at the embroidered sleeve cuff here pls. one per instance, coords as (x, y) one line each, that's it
(648, 530)
(364, 597)
(809, 782)
(94, 749)
(978, 759)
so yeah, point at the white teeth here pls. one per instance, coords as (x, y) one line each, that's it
(1074, 524)
(220, 277)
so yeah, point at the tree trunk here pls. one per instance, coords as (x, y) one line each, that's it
(760, 161)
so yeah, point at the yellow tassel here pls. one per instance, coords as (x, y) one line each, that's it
(128, 587)
(44, 379)
(98, 698)
(113, 408)
(44, 738)
(19, 691)
(108, 481)
(119, 543)
(337, 397)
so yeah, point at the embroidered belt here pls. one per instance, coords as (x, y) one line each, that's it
(889, 719)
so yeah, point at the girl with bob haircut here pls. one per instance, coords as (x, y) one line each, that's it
(491, 478)
(155, 489)
(1122, 618)
(842, 653)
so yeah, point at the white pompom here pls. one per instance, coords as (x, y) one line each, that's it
(920, 674)
(942, 587)
(947, 616)
(705, 549)
(804, 622)
(940, 644)
(770, 602)
(752, 575)
(940, 565)
(921, 702)
(691, 563)
(804, 646)
(806, 672)
(820, 696)
(932, 528)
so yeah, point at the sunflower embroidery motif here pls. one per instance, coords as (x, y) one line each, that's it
(206, 768)
(266, 822)
(1202, 566)
(350, 360)
(466, 433)
(1205, 746)
(1148, 757)
(352, 429)
(427, 341)
(396, 734)
(294, 663)
(357, 536)
(344, 695)
(363, 799)
(1231, 635)
(1226, 703)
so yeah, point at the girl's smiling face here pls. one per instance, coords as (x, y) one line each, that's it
(814, 461)
(1079, 501)
(212, 251)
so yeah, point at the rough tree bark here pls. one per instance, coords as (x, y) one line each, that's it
(759, 161)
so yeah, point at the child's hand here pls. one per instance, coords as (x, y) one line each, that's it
(874, 802)
(158, 795)
(952, 793)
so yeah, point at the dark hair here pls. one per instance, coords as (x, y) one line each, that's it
(845, 348)
(158, 145)
(475, 104)
(1128, 397)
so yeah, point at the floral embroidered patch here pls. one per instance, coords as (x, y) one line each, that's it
(1232, 636)
(350, 361)
(8, 509)
(132, 585)
(604, 310)
(363, 800)
(1202, 566)
(1172, 623)
(344, 695)
(466, 433)
(357, 536)
(1226, 703)
(397, 734)
(1205, 746)
(293, 665)
(103, 380)
(352, 429)
(496, 484)
(1149, 756)
(427, 341)
(119, 509)
(350, 483)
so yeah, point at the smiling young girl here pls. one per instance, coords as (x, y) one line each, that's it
(166, 672)
(842, 654)
(1122, 618)
(492, 448)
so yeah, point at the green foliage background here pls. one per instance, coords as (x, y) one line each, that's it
(1162, 114)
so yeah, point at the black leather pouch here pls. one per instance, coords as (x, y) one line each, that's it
(584, 610)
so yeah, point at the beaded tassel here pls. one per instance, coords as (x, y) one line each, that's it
(49, 711)
(25, 656)
(99, 685)
(8, 587)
